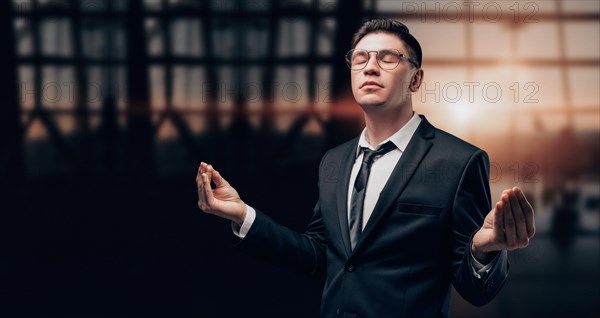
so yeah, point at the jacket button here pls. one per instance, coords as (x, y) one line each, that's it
(350, 267)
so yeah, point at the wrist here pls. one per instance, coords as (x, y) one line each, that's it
(481, 254)
(241, 217)
(482, 257)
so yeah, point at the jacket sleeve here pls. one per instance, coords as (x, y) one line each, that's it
(472, 203)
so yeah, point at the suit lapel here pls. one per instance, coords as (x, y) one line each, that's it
(414, 153)
(342, 193)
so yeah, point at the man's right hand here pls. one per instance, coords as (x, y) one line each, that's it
(223, 200)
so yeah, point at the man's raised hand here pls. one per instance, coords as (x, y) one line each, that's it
(223, 200)
(510, 225)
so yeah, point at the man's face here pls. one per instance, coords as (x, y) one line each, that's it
(374, 87)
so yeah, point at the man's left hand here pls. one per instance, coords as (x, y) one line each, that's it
(508, 226)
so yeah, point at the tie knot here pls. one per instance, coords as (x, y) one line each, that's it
(370, 155)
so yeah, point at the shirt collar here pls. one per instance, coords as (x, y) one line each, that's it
(399, 138)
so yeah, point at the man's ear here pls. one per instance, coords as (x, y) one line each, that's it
(416, 80)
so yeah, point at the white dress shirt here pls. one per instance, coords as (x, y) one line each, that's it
(381, 171)
(382, 167)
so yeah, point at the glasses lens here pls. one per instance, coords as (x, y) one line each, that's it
(388, 59)
(357, 59)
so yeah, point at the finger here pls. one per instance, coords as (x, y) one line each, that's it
(520, 223)
(198, 175)
(199, 181)
(203, 167)
(207, 187)
(201, 195)
(527, 212)
(218, 179)
(201, 192)
(509, 223)
(499, 220)
(208, 170)
(207, 193)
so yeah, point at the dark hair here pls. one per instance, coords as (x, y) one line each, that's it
(393, 27)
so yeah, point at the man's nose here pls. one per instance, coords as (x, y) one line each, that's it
(372, 65)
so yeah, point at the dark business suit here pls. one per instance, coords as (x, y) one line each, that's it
(414, 244)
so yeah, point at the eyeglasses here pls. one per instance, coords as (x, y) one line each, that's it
(387, 59)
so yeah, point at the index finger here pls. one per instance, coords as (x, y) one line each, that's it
(203, 167)
(205, 195)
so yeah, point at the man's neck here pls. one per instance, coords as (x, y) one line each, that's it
(382, 125)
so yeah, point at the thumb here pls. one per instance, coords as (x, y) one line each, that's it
(499, 218)
(217, 178)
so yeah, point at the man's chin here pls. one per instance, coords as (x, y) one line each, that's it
(371, 104)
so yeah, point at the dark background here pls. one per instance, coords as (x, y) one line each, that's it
(107, 108)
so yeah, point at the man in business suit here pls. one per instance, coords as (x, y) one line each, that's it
(404, 209)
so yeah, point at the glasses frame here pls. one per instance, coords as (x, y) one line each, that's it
(401, 56)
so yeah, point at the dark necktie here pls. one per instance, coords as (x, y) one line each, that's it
(360, 185)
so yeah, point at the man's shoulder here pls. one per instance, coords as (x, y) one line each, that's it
(437, 135)
(442, 136)
(452, 145)
(343, 149)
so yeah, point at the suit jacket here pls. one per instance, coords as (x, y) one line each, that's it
(415, 243)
